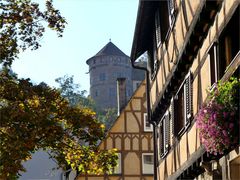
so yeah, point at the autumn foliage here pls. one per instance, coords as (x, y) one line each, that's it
(22, 25)
(36, 117)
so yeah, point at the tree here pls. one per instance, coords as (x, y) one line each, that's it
(77, 97)
(22, 25)
(73, 94)
(107, 117)
(37, 117)
(34, 117)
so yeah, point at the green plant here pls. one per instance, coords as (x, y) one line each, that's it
(218, 119)
(226, 92)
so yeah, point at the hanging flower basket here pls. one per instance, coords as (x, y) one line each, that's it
(218, 120)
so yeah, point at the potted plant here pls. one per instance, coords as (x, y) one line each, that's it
(218, 120)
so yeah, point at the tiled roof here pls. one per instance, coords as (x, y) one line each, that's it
(110, 49)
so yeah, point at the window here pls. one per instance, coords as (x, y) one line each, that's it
(182, 107)
(229, 43)
(112, 92)
(165, 18)
(120, 75)
(147, 126)
(102, 77)
(118, 168)
(153, 63)
(157, 26)
(171, 12)
(147, 163)
(223, 52)
(96, 93)
(213, 64)
(164, 134)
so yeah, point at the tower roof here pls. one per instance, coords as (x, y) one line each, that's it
(109, 49)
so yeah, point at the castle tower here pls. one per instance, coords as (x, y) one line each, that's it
(105, 67)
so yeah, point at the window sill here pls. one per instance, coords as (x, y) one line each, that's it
(183, 130)
(148, 174)
(163, 155)
(148, 131)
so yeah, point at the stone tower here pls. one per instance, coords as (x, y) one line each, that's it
(109, 64)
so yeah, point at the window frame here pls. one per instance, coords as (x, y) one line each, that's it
(102, 77)
(145, 121)
(187, 116)
(222, 51)
(164, 134)
(213, 60)
(143, 170)
(158, 28)
(96, 93)
(154, 63)
(171, 13)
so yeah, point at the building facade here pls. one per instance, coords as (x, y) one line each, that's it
(105, 67)
(191, 45)
(131, 134)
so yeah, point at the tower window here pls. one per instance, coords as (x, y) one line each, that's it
(102, 77)
(112, 92)
(96, 93)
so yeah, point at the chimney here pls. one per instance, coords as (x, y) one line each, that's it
(121, 94)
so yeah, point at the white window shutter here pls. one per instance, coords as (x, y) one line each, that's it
(167, 131)
(188, 99)
(157, 26)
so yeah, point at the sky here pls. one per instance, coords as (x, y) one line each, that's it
(91, 25)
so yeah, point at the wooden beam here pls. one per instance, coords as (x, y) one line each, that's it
(192, 159)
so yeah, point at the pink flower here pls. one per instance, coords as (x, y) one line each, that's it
(231, 125)
(225, 114)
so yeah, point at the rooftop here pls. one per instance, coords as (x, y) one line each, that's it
(109, 49)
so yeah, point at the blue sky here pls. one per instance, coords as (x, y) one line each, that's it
(91, 23)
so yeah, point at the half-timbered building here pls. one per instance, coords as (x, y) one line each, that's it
(190, 46)
(131, 135)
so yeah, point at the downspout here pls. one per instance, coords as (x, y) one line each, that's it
(155, 148)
